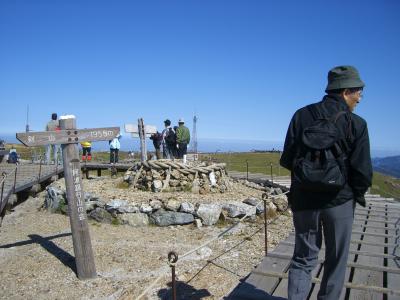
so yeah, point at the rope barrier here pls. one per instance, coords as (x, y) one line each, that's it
(221, 234)
(5, 175)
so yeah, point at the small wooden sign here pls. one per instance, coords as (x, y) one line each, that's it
(141, 131)
(67, 136)
(133, 129)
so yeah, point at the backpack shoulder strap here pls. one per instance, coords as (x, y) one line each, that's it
(315, 113)
(338, 115)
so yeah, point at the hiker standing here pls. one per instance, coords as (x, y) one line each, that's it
(115, 145)
(321, 205)
(168, 140)
(182, 138)
(86, 151)
(157, 139)
(52, 125)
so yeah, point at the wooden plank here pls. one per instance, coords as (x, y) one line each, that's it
(290, 239)
(390, 228)
(362, 287)
(377, 234)
(393, 206)
(368, 243)
(269, 284)
(281, 290)
(381, 215)
(392, 279)
(67, 136)
(374, 210)
(374, 221)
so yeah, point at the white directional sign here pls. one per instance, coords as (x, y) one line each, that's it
(133, 129)
(141, 131)
(67, 136)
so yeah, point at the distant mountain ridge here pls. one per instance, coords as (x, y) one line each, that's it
(387, 165)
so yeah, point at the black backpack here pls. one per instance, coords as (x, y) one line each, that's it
(170, 137)
(12, 158)
(321, 164)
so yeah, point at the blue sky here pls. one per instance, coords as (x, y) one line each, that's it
(243, 67)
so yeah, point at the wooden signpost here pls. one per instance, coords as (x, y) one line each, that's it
(69, 137)
(142, 131)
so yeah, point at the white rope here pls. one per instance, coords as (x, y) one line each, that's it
(8, 174)
(221, 234)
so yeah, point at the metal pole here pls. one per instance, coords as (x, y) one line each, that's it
(84, 258)
(15, 176)
(172, 259)
(265, 197)
(2, 212)
(57, 165)
(247, 169)
(2, 187)
(272, 175)
(40, 169)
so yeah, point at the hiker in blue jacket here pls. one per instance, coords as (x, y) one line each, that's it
(115, 145)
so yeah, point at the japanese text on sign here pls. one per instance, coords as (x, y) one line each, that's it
(78, 192)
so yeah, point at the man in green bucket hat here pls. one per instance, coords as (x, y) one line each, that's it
(326, 208)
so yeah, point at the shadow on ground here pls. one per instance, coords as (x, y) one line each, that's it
(184, 291)
(67, 259)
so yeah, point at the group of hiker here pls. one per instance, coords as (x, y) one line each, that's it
(173, 140)
(170, 143)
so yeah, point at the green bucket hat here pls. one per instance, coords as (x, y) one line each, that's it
(343, 77)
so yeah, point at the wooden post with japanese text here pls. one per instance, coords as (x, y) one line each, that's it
(76, 207)
(69, 137)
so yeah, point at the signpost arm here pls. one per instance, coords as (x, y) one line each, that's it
(76, 207)
(142, 136)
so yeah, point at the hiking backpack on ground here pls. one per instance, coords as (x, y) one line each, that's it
(321, 165)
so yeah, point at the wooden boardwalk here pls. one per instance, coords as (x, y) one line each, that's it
(23, 177)
(373, 266)
(28, 175)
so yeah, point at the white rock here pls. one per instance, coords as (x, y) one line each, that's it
(135, 220)
(198, 223)
(208, 213)
(157, 186)
(187, 207)
(156, 204)
(238, 209)
(172, 204)
(145, 208)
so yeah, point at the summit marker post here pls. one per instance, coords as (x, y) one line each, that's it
(69, 137)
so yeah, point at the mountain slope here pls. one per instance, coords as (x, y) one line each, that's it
(387, 165)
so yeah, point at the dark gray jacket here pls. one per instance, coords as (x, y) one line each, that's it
(359, 162)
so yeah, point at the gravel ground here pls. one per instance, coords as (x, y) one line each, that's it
(37, 259)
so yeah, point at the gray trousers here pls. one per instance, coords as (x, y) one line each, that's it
(55, 149)
(336, 225)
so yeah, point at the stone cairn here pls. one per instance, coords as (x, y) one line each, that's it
(171, 176)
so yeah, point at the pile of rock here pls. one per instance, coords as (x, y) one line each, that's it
(167, 175)
(165, 212)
